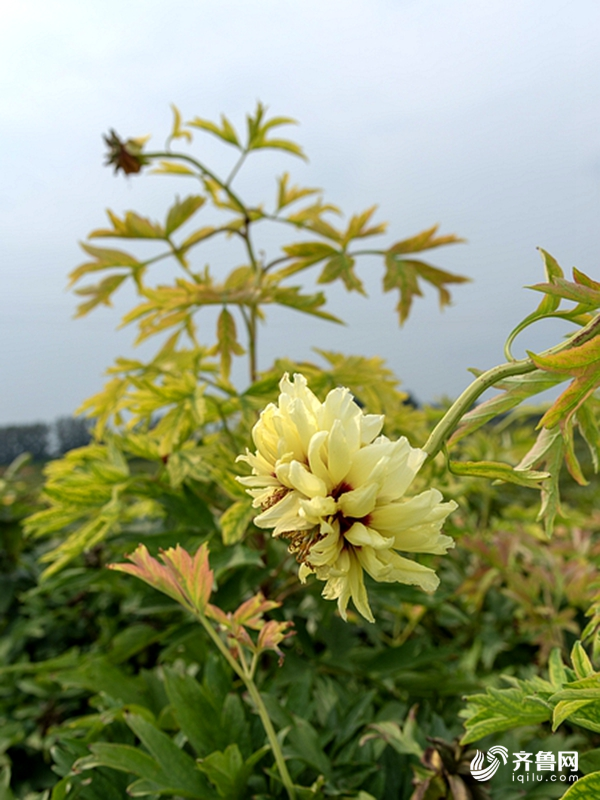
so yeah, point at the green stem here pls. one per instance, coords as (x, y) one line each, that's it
(272, 736)
(449, 422)
(451, 419)
(204, 170)
(245, 675)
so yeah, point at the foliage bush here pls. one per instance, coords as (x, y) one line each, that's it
(109, 688)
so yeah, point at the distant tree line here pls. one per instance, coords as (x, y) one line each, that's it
(43, 441)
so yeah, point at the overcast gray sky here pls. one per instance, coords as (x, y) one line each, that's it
(482, 115)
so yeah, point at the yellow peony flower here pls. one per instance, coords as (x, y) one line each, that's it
(324, 479)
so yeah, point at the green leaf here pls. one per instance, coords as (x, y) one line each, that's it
(122, 757)
(590, 761)
(181, 211)
(178, 132)
(174, 763)
(227, 342)
(235, 520)
(303, 743)
(132, 226)
(403, 274)
(585, 788)
(494, 470)
(556, 669)
(194, 712)
(502, 709)
(517, 389)
(358, 227)
(548, 451)
(581, 662)
(425, 240)
(342, 266)
(286, 195)
(226, 132)
(583, 364)
(306, 303)
(170, 168)
(306, 254)
(227, 772)
(587, 421)
(257, 132)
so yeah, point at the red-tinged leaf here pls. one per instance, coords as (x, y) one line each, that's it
(424, 241)
(149, 570)
(583, 364)
(187, 580)
(583, 294)
(271, 636)
(195, 576)
(251, 612)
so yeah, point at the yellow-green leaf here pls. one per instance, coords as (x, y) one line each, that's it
(234, 522)
(181, 211)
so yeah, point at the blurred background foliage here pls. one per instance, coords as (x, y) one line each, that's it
(108, 688)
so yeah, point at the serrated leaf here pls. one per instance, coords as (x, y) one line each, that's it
(547, 451)
(181, 211)
(583, 364)
(358, 226)
(99, 294)
(132, 226)
(502, 709)
(306, 303)
(425, 240)
(227, 342)
(403, 274)
(342, 266)
(235, 520)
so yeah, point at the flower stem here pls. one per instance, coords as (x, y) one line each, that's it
(451, 419)
(246, 676)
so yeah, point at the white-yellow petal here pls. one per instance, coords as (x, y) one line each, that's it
(361, 536)
(358, 502)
